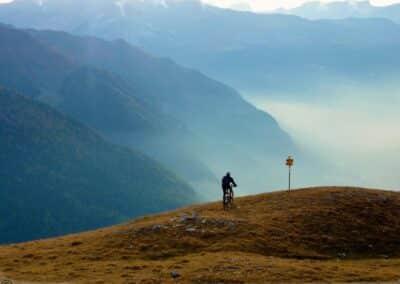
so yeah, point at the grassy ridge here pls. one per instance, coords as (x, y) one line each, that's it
(319, 234)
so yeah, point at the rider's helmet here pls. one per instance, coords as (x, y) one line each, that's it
(228, 174)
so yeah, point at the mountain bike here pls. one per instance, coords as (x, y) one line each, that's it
(227, 200)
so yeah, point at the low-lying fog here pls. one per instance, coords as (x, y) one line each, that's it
(354, 131)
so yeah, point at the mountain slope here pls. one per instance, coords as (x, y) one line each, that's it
(28, 66)
(50, 74)
(310, 235)
(100, 99)
(193, 125)
(229, 132)
(59, 177)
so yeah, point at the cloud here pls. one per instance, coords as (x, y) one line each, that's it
(267, 5)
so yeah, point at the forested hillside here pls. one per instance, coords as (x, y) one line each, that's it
(60, 177)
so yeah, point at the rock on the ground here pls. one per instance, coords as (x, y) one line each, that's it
(175, 274)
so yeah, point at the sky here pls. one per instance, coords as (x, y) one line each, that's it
(268, 5)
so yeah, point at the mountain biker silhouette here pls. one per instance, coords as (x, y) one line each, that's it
(227, 183)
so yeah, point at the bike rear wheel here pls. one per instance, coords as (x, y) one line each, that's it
(227, 200)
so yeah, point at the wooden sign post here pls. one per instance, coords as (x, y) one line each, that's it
(290, 163)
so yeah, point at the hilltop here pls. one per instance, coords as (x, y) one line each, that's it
(316, 234)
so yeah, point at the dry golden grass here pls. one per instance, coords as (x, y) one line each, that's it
(309, 235)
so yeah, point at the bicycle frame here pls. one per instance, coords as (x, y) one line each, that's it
(228, 199)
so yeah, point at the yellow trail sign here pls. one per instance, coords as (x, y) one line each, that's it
(289, 161)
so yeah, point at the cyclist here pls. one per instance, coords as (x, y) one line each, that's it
(227, 182)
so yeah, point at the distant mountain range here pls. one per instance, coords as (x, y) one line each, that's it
(345, 9)
(255, 53)
(60, 177)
